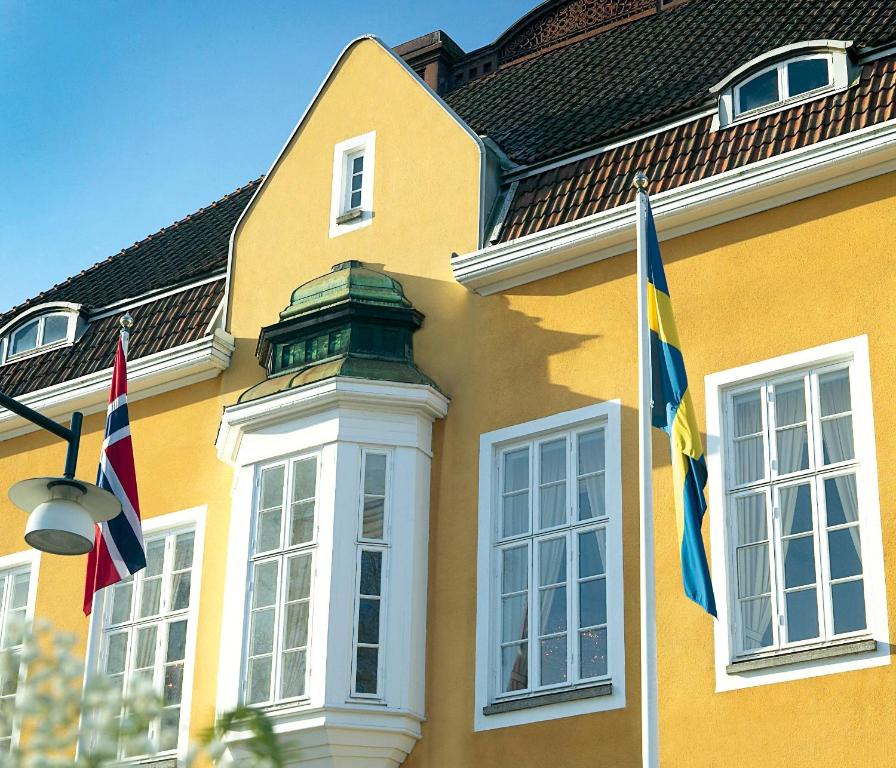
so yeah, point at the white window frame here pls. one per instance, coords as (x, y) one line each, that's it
(492, 446)
(173, 522)
(281, 554)
(382, 546)
(841, 71)
(10, 565)
(40, 347)
(721, 386)
(343, 218)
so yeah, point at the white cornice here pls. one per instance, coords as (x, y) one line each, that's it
(724, 197)
(147, 376)
(312, 398)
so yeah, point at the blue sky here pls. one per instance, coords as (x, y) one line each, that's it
(118, 118)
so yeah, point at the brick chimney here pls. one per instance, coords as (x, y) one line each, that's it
(433, 57)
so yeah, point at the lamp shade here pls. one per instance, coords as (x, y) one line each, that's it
(62, 513)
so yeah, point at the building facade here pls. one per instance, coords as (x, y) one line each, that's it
(384, 403)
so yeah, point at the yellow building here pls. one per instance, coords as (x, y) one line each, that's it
(384, 403)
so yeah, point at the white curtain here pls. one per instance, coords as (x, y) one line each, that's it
(552, 479)
(552, 617)
(753, 569)
(793, 445)
(749, 456)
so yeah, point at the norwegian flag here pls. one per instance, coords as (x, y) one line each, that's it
(118, 551)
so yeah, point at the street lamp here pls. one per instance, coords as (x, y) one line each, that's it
(62, 511)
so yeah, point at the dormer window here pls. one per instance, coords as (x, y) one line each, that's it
(782, 78)
(352, 202)
(784, 81)
(42, 328)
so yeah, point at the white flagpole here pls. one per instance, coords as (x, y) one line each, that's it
(126, 322)
(650, 738)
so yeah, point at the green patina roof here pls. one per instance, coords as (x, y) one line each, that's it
(348, 281)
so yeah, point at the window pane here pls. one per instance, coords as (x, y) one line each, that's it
(592, 497)
(753, 574)
(748, 413)
(515, 570)
(752, 522)
(799, 561)
(514, 667)
(259, 682)
(516, 470)
(116, 652)
(371, 566)
(375, 474)
(292, 681)
(836, 439)
(356, 183)
(834, 393)
(121, 601)
(849, 606)
(180, 591)
(298, 586)
(155, 557)
(24, 339)
(593, 652)
(174, 684)
(845, 552)
(749, 460)
(146, 648)
(355, 200)
(802, 615)
(793, 450)
(271, 487)
(796, 509)
(841, 499)
(516, 514)
(806, 75)
(55, 328)
(552, 557)
(183, 551)
(756, 617)
(265, 592)
(150, 596)
(366, 670)
(304, 479)
(790, 403)
(374, 512)
(552, 505)
(553, 461)
(358, 164)
(514, 618)
(553, 610)
(268, 536)
(262, 632)
(169, 728)
(177, 641)
(302, 528)
(19, 598)
(591, 452)
(369, 621)
(593, 603)
(760, 91)
(592, 553)
(295, 625)
(553, 660)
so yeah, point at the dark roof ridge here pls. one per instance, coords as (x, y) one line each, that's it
(67, 281)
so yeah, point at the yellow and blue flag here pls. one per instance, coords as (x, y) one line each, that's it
(673, 412)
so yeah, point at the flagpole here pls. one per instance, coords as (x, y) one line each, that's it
(650, 746)
(126, 322)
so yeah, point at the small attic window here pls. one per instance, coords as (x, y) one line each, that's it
(782, 82)
(45, 331)
(783, 77)
(352, 201)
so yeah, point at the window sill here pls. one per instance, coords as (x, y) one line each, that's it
(349, 216)
(800, 655)
(164, 760)
(556, 697)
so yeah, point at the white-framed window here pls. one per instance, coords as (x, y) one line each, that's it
(280, 573)
(367, 669)
(146, 621)
(785, 81)
(549, 617)
(352, 193)
(18, 578)
(45, 331)
(794, 471)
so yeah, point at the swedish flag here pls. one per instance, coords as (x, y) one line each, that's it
(673, 412)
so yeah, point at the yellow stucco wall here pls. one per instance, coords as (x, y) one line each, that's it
(795, 277)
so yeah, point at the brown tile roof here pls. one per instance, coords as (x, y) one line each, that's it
(692, 151)
(158, 325)
(648, 71)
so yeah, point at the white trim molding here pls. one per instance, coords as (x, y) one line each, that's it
(160, 372)
(757, 187)
(867, 649)
(607, 693)
(338, 421)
